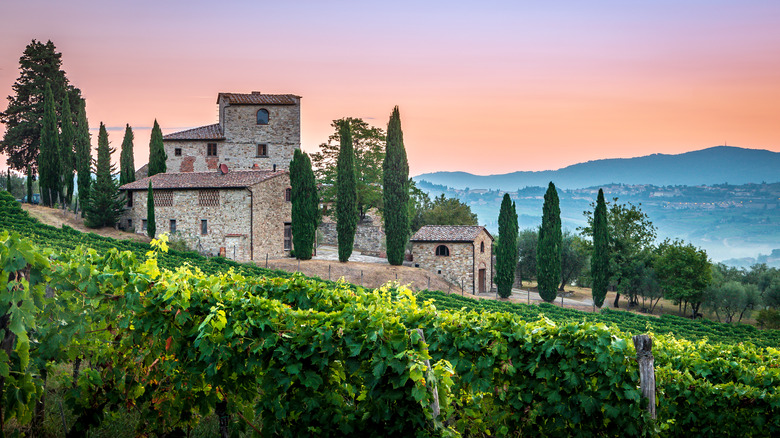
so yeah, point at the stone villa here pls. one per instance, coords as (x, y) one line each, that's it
(460, 253)
(227, 190)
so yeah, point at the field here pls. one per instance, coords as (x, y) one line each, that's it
(167, 342)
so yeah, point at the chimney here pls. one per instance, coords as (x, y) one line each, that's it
(256, 92)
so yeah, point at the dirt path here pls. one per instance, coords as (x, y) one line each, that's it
(57, 218)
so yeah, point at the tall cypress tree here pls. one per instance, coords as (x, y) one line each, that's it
(346, 195)
(49, 158)
(395, 184)
(599, 262)
(67, 140)
(151, 224)
(157, 156)
(29, 185)
(506, 250)
(548, 251)
(83, 155)
(126, 160)
(305, 205)
(105, 204)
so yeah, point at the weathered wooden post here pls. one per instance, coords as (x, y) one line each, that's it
(434, 387)
(644, 356)
(328, 272)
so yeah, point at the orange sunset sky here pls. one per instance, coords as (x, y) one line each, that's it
(484, 87)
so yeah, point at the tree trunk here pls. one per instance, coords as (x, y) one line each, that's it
(616, 304)
(644, 355)
(224, 419)
(39, 416)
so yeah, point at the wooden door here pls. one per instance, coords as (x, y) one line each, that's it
(482, 280)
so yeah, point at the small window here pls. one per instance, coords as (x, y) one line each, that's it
(163, 198)
(208, 198)
(173, 226)
(143, 224)
(288, 194)
(211, 149)
(442, 250)
(129, 198)
(129, 224)
(262, 117)
(204, 226)
(262, 150)
(482, 247)
(287, 236)
(177, 152)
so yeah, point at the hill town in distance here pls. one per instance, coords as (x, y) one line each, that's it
(726, 200)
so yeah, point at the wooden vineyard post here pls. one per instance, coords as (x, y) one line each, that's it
(644, 356)
(434, 388)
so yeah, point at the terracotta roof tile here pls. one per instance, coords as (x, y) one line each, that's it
(448, 233)
(208, 132)
(203, 180)
(257, 98)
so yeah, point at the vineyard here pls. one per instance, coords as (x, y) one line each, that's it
(175, 340)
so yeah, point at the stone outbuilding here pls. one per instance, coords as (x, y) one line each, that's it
(255, 131)
(459, 253)
(244, 215)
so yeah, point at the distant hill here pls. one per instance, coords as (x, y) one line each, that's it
(716, 165)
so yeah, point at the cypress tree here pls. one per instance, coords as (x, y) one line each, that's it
(395, 193)
(599, 264)
(67, 141)
(305, 205)
(548, 251)
(105, 204)
(126, 160)
(157, 155)
(151, 225)
(48, 160)
(29, 185)
(346, 194)
(506, 250)
(83, 155)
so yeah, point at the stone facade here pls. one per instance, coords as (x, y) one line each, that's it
(238, 140)
(245, 217)
(369, 235)
(468, 259)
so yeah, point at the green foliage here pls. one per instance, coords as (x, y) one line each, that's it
(599, 265)
(395, 192)
(684, 273)
(83, 154)
(527, 241)
(346, 194)
(305, 205)
(442, 211)
(157, 156)
(105, 203)
(151, 222)
(574, 256)
(548, 253)
(66, 154)
(39, 65)
(49, 160)
(126, 160)
(506, 250)
(368, 147)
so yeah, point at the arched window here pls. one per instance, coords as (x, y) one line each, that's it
(482, 247)
(442, 250)
(262, 117)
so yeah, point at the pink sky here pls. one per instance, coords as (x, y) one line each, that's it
(492, 87)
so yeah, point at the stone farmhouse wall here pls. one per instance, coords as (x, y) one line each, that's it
(462, 265)
(242, 135)
(247, 224)
(369, 238)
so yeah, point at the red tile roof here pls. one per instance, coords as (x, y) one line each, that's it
(208, 132)
(257, 98)
(448, 233)
(203, 180)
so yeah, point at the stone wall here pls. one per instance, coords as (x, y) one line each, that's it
(230, 218)
(247, 223)
(282, 135)
(484, 260)
(369, 238)
(270, 213)
(457, 267)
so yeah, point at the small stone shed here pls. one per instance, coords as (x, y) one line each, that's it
(243, 215)
(459, 253)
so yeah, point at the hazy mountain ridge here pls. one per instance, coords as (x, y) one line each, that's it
(711, 166)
